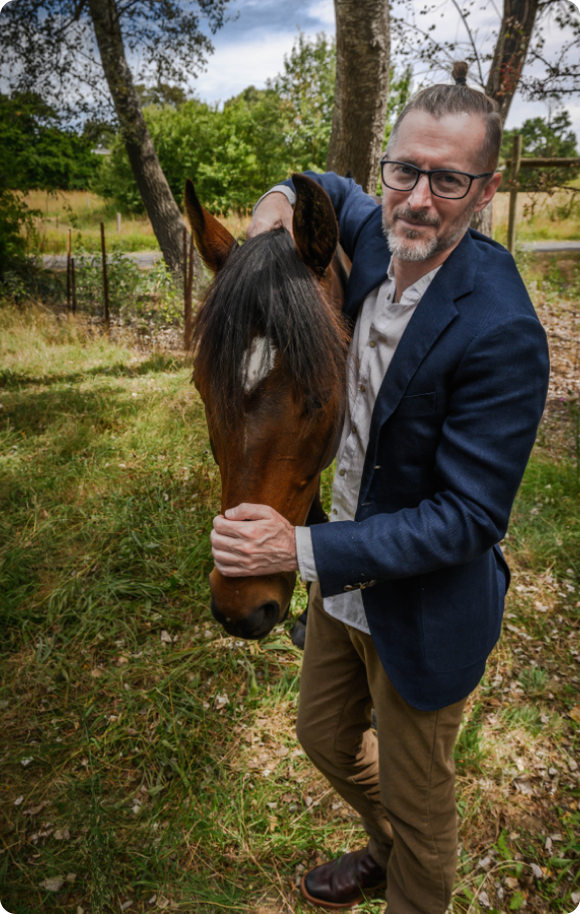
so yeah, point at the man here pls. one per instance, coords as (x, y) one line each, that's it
(447, 379)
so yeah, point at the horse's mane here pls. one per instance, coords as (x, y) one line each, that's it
(265, 289)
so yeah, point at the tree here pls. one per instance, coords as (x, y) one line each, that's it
(362, 88)
(231, 155)
(305, 89)
(50, 45)
(36, 152)
(542, 138)
(497, 56)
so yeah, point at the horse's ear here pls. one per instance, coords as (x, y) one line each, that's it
(212, 240)
(314, 224)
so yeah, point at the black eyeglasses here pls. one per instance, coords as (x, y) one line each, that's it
(443, 182)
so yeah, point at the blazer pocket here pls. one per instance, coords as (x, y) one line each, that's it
(416, 405)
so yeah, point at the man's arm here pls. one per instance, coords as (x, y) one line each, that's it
(351, 205)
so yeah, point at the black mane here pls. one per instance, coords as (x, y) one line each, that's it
(265, 289)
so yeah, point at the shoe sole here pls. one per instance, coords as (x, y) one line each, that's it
(330, 905)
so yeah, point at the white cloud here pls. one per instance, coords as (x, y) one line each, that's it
(236, 65)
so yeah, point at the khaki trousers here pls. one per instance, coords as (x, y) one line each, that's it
(402, 781)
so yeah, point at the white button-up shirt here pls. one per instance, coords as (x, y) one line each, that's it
(378, 331)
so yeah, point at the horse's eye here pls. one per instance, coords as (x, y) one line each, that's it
(313, 403)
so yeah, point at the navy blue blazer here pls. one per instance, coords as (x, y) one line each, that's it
(451, 433)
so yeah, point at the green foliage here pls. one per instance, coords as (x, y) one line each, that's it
(34, 153)
(306, 91)
(542, 138)
(37, 152)
(399, 95)
(16, 221)
(233, 155)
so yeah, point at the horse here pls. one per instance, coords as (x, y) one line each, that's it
(269, 355)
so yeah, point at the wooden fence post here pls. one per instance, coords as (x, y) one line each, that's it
(73, 285)
(105, 281)
(118, 223)
(68, 281)
(515, 168)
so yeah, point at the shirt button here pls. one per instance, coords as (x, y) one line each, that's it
(362, 388)
(341, 472)
(353, 430)
(372, 344)
(334, 511)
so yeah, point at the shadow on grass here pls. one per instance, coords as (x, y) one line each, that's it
(158, 362)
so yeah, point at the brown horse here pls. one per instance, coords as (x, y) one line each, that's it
(269, 363)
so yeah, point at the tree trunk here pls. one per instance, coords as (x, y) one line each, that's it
(516, 29)
(483, 221)
(362, 88)
(155, 192)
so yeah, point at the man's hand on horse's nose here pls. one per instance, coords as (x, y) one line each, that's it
(253, 540)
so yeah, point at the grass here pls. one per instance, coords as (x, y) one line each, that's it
(540, 217)
(149, 763)
(83, 211)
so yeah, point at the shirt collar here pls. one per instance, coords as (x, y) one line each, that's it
(418, 289)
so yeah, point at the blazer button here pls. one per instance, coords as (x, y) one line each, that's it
(348, 587)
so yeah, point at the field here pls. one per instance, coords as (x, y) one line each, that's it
(82, 212)
(148, 762)
(539, 218)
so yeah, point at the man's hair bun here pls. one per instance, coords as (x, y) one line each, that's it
(459, 73)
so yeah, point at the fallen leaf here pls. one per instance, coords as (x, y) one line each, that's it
(54, 884)
(575, 713)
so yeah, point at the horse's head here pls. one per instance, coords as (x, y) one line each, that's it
(269, 364)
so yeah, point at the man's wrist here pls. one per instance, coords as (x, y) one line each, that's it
(278, 189)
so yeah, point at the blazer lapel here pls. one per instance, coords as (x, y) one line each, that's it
(433, 314)
(369, 269)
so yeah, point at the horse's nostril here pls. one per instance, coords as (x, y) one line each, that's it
(257, 625)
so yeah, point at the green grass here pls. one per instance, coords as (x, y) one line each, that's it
(146, 753)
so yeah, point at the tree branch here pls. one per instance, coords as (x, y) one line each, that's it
(472, 42)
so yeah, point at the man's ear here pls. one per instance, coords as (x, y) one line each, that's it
(212, 240)
(488, 192)
(314, 224)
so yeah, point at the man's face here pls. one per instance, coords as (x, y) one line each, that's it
(417, 224)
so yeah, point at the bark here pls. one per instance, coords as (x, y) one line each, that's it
(483, 221)
(155, 192)
(516, 29)
(362, 87)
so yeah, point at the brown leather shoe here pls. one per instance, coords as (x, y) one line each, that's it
(343, 883)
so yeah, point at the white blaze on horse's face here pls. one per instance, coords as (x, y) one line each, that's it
(258, 362)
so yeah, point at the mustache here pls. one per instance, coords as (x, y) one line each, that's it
(421, 216)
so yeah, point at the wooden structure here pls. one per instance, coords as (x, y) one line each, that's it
(515, 163)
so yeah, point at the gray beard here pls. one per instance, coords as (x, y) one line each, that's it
(414, 251)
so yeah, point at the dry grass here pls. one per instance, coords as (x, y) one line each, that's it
(82, 212)
(540, 217)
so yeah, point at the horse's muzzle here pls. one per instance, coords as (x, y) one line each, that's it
(256, 625)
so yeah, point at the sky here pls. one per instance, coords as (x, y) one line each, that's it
(251, 48)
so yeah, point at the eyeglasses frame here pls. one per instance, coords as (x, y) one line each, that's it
(429, 172)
